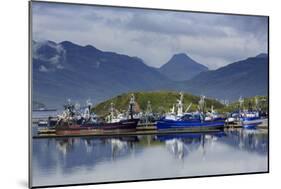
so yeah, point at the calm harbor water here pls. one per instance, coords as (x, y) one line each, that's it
(58, 161)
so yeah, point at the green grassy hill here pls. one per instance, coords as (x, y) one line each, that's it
(161, 101)
(263, 104)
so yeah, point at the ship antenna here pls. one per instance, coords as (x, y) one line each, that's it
(89, 104)
(241, 101)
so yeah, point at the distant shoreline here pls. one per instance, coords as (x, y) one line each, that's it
(44, 110)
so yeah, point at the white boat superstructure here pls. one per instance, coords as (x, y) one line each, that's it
(175, 115)
(212, 115)
(116, 116)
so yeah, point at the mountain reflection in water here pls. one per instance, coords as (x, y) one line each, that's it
(99, 159)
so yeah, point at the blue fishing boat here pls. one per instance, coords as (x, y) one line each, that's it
(193, 121)
(250, 120)
(183, 120)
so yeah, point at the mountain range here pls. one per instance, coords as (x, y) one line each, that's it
(243, 78)
(67, 70)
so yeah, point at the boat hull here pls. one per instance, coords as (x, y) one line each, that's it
(251, 123)
(122, 126)
(171, 124)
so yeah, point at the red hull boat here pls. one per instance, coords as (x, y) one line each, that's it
(121, 126)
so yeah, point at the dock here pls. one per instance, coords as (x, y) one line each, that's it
(48, 133)
(264, 125)
(142, 129)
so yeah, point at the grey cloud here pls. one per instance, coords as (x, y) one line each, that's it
(251, 24)
(212, 39)
(167, 23)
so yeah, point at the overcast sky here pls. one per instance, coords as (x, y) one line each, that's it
(211, 39)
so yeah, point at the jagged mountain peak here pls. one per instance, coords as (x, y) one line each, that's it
(68, 43)
(181, 67)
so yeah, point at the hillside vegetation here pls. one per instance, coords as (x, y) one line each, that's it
(161, 102)
(248, 102)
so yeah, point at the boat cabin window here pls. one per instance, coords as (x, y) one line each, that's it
(188, 117)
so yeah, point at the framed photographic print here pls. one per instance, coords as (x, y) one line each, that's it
(122, 94)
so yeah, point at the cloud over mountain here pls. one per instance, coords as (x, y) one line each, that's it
(212, 39)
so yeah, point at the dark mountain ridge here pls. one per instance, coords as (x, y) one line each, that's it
(67, 70)
(245, 78)
(181, 67)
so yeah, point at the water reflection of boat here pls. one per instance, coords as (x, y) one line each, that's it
(100, 147)
(177, 147)
(121, 146)
(180, 154)
(65, 145)
(252, 140)
(118, 145)
(190, 136)
(182, 144)
(178, 136)
(198, 119)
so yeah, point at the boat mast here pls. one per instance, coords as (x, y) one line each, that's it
(111, 111)
(180, 105)
(241, 101)
(148, 111)
(131, 105)
(148, 108)
(201, 105)
(173, 109)
(87, 111)
(257, 104)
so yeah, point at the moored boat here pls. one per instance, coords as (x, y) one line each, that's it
(183, 120)
(189, 124)
(42, 123)
(72, 121)
(248, 119)
(120, 126)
